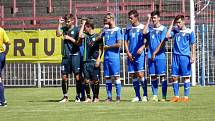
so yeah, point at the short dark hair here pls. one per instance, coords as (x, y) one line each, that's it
(134, 12)
(155, 13)
(89, 24)
(179, 17)
(68, 16)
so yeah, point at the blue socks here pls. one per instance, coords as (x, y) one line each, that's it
(175, 86)
(144, 86)
(136, 86)
(186, 88)
(164, 88)
(154, 87)
(118, 87)
(2, 99)
(109, 88)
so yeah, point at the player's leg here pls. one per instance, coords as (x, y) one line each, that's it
(139, 69)
(186, 72)
(76, 70)
(135, 81)
(86, 71)
(82, 81)
(154, 81)
(114, 66)
(136, 86)
(175, 74)
(108, 81)
(95, 76)
(143, 82)
(161, 71)
(64, 72)
(164, 87)
(2, 97)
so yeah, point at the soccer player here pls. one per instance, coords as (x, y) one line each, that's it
(3, 40)
(81, 64)
(134, 46)
(71, 55)
(112, 43)
(156, 53)
(183, 56)
(91, 57)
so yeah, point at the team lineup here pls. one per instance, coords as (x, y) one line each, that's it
(83, 50)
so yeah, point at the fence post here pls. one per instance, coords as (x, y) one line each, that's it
(203, 56)
(192, 25)
(39, 75)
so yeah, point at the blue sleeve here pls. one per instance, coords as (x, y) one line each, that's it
(119, 35)
(192, 38)
(163, 34)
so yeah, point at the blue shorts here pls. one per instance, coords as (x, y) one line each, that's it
(181, 66)
(2, 61)
(137, 65)
(91, 72)
(70, 64)
(111, 67)
(157, 67)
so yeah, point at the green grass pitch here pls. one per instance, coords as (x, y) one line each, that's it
(40, 104)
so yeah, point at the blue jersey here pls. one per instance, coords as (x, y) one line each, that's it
(182, 41)
(111, 37)
(155, 36)
(134, 35)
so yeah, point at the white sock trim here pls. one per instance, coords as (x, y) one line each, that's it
(187, 81)
(118, 81)
(175, 82)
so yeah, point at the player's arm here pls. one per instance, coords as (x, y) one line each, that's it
(193, 53)
(98, 60)
(168, 34)
(117, 45)
(160, 46)
(145, 29)
(6, 38)
(60, 24)
(142, 48)
(127, 51)
(81, 32)
(193, 48)
(67, 37)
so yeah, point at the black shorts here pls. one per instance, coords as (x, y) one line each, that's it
(90, 71)
(70, 64)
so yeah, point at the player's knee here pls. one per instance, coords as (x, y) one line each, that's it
(163, 78)
(140, 75)
(96, 82)
(87, 81)
(174, 79)
(77, 76)
(154, 77)
(116, 78)
(65, 77)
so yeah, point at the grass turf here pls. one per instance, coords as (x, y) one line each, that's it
(41, 104)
